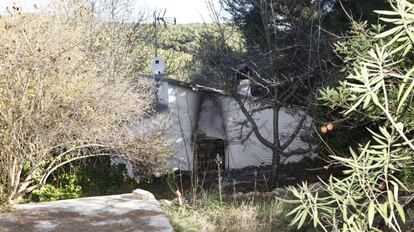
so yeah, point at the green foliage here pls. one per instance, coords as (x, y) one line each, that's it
(4, 208)
(68, 188)
(380, 66)
(220, 48)
(104, 180)
(378, 89)
(356, 44)
(247, 14)
(337, 20)
(407, 177)
(370, 187)
(93, 177)
(69, 75)
(178, 44)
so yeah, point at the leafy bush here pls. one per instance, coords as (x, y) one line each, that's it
(92, 177)
(63, 77)
(69, 190)
(378, 89)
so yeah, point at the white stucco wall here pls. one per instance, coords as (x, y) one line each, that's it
(183, 108)
(253, 152)
(220, 117)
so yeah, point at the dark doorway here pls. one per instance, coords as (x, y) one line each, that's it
(206, 152)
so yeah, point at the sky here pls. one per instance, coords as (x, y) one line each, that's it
(185, 11)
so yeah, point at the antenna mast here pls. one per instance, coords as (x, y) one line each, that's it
(158, 19)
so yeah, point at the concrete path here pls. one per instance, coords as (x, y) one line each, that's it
(100, 214)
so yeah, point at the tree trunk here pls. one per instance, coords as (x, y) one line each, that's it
(276, 146)
(275, 167)
(14, 174)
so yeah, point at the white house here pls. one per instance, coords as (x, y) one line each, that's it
(206, 123)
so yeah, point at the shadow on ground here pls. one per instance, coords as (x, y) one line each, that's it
(107, 213)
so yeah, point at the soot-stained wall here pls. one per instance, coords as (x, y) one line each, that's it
(219, 116)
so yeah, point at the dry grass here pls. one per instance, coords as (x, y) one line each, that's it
(209, 215)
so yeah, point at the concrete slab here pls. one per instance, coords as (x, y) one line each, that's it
(106, 213)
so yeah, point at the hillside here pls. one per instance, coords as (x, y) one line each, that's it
(178, 45)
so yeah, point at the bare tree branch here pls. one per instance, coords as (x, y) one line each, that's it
(294, 134)
(254, 125)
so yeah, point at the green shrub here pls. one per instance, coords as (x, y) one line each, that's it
(68, 189)
(378, 90)
(92, 177)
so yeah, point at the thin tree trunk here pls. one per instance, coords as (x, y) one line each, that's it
(14, 173)
(272, 47)
(276, 145)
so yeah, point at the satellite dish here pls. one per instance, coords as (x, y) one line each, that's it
(157, 66)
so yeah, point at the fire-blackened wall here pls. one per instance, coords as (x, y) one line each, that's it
(219, 116)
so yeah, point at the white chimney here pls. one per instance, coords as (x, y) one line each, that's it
(244, 88)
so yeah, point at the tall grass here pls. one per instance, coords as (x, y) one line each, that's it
(209, 214)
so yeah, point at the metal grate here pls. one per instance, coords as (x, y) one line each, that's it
(206, 152)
